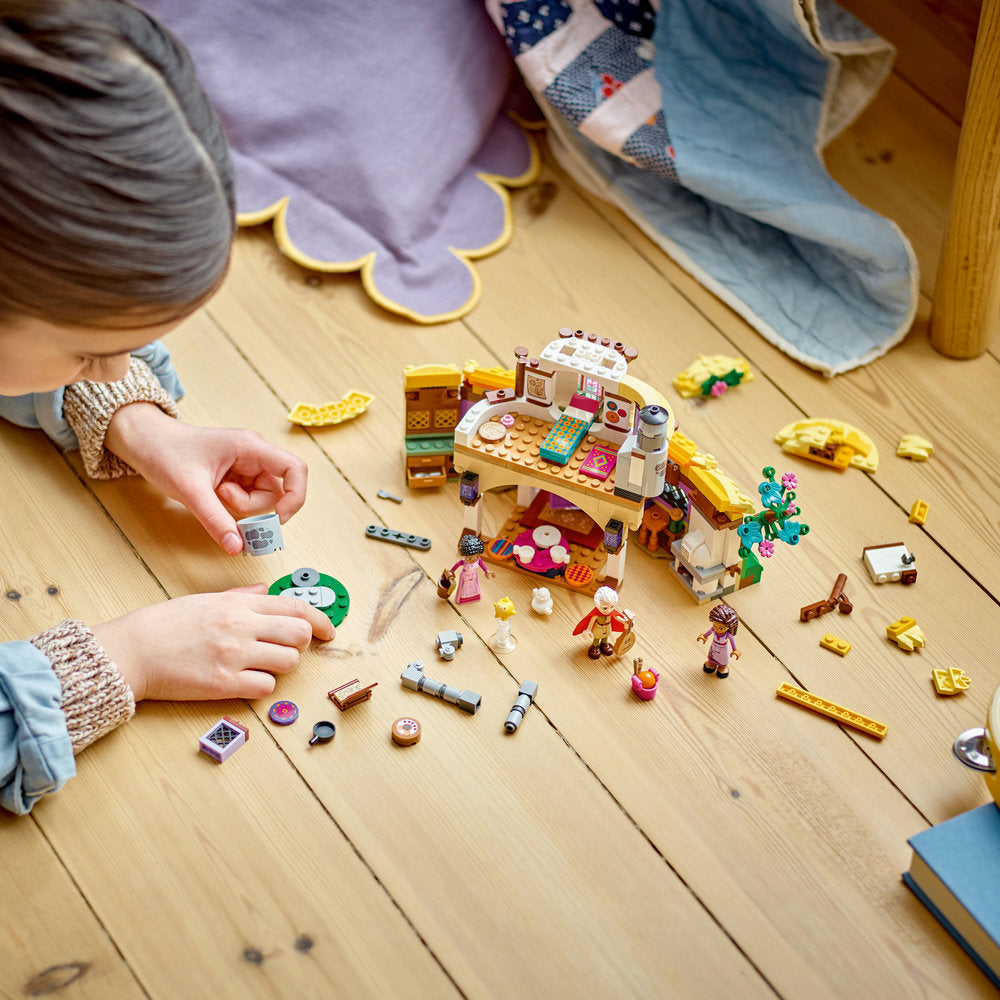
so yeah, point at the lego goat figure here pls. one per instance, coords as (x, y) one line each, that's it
(604, 619)
(724, 623)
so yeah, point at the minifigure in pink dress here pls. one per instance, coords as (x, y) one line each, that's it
(724, 624)
(471, 549)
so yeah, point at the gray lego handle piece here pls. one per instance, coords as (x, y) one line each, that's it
(414, 679)
(398, 537)
(529, 689)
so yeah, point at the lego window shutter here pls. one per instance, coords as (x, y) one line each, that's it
(374, 136)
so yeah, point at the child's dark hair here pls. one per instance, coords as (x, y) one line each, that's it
(471, 545)
(725, 615)
(116, 189)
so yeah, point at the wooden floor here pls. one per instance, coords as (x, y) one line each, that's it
(716, 842)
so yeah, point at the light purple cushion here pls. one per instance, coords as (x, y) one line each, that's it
(377, 122)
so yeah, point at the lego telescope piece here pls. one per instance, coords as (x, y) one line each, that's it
(529, 689)
(414, 679)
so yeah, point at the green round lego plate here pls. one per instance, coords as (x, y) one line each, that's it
(336, 610)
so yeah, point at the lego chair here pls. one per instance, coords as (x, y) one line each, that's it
(966, 307)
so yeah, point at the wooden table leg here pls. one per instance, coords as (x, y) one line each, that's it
(966, 307)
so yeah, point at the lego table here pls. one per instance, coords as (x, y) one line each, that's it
(715, 841)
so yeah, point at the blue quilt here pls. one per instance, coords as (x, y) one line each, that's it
(704, 121)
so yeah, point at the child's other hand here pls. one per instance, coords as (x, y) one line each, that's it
(209, 646)
(216, 472)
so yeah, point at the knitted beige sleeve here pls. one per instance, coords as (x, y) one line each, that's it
(89, 406)
(95, 697)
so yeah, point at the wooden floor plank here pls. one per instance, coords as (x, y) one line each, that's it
(612, 735)
(51, 938)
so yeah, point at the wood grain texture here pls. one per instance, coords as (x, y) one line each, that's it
(966, 309)
(716, 841)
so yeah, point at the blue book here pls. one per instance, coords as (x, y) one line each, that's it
(955, 873)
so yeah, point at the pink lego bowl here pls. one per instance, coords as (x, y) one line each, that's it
(645, 693)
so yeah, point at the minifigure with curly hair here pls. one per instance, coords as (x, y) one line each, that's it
(471, 549)
(725, 622)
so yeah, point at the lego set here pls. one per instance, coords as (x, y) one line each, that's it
(594, 453)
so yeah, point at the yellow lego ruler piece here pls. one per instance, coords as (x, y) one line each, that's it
(833, 711)
(950, 681)
(839, 646)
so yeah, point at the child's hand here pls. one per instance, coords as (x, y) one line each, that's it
(209, 646)
(215, 472)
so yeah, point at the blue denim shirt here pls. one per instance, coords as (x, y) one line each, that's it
(44, 410)
(36, 756)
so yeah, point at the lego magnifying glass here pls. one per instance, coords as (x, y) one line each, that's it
(977, 748)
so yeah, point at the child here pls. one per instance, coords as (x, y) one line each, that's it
(116, 222)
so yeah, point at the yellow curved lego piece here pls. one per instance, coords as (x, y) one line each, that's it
(351, 405)
(689, 382)
(829, 442)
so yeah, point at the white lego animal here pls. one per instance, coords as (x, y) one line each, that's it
(541, 601)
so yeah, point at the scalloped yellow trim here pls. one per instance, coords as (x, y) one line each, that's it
(277, 214)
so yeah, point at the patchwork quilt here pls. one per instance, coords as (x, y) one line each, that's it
(704, 122)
